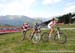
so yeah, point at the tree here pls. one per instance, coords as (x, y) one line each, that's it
(65, 18)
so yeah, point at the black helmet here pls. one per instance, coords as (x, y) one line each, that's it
(37, 24)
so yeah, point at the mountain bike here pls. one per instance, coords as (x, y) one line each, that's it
(58, 36)
(36, 37)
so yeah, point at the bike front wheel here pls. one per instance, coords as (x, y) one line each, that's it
(36, 38)
(61, 38)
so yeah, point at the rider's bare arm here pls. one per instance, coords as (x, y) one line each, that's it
(60, 24)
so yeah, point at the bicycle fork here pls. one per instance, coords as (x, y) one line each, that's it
(58, 34)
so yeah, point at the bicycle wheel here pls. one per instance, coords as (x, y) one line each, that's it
(61, 38)
(36, 38)
(45, 37)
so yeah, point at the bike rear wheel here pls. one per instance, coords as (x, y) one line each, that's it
(61, 39)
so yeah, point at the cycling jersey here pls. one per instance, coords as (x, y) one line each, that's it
(52, 23)
(37, 27)
(25, 27)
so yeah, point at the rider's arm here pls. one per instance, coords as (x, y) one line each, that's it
(28, 26)
(60, 24)
(22, 28)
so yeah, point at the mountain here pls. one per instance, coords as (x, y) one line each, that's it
(15, 20)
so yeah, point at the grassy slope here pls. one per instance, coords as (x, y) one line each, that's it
(12, 43)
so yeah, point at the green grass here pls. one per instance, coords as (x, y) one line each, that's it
(67, 26)
(12, 43)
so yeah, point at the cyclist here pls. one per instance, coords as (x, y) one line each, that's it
(51, 26)
(25, 27)
(36, 29)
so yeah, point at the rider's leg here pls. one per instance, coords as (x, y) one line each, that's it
(24, 35)
(51, 32)
(32, 33)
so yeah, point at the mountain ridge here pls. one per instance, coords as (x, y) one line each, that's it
(15, 20)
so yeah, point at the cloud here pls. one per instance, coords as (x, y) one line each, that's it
(26, 7)
(5, 1)
(69, 9)
(16, 7)
(48, 2)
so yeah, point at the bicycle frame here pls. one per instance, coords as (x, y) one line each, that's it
(57, 29)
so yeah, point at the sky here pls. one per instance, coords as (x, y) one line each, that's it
(36, 8)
